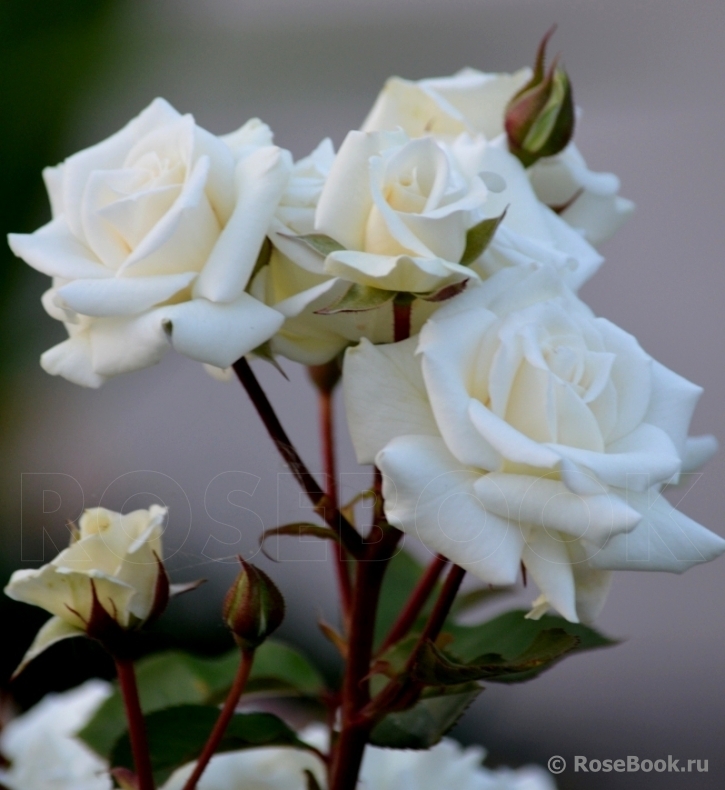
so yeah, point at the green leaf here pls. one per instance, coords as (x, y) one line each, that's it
(510, 635)
(434, 668)
(423, 725)
(280, 667)
(357, 299)
(479, 237)
(401, 576)
(321, 244)
(176, 736)
(174, 678)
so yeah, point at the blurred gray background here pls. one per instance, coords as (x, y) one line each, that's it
(649, 77)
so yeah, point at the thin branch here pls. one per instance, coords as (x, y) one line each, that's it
(348, 534)
(136, 724)
(415, 603)
(230, 706)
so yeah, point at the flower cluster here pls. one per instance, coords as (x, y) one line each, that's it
(434, 261)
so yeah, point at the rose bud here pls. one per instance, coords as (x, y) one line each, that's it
(540, 117)
(253, 607)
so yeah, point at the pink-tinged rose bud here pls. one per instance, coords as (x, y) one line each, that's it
(540, 117)
(254, 607)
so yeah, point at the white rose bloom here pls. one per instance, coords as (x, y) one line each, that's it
(474, 102)
(401, 209)
(42, 749)
(154, 236)
(519, 427)
(116, 555)
(447, 765)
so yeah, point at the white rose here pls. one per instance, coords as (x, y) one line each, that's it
(519, 427)
(113, 557)
(155, 233)
(42, 749)
(295, 283)
(402, 209)
(474, 102)
(446, 765)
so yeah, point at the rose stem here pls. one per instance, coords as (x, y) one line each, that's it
(348, 534)
(402, 308)
(230, 705)
(443, 605)
(416, 602)
(325, 383)
(355, 685)
(136, 725)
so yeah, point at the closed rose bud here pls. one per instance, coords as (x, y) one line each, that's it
(253, 607)
(540, 117)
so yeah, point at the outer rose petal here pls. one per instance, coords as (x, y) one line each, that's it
(546, 557)
(698, 451)
(219, 333)
(53, 250)
(54, 630)
(428, 493)
(374, 421)
(665, 539)
(72, 359)
(122, 295)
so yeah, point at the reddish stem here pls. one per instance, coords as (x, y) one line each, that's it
(402, 308)
(348, 534)
(230, 706)
(136, 725)
(416, 602)
(327, 425)
(443, 605)
(355, 685)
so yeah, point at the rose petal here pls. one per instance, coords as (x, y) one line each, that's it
(219, 333)
(665, 540)
(122, 295)
(260, 180)
(548, 504)
(384, 396)
(429, 494)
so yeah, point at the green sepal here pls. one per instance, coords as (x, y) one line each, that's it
(357, 299)
(321, 244)
(479, 237)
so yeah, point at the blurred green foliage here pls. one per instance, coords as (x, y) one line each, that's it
(50, 50)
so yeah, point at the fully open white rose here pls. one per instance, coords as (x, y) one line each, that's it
(519, 427)
(154, 236)
(474, 102)
(113, 558)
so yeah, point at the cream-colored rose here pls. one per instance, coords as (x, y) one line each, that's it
(113, 558)
(401, 210)
(154, 236)
(519, 427)
(474, 102)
